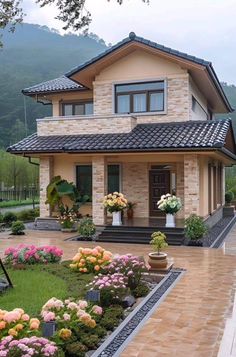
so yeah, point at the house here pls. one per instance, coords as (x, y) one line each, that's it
(138, 118)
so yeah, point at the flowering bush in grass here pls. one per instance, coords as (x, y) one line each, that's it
(17, 323)
(89, 260)
(169, 204)
(28, 347)
(70, 314)
(115, 202)
(113, 287)
(129, 265)
(30, 254)
(67, 217)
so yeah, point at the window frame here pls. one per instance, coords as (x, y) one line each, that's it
(74, 103)
(76, 178)
(147, 92)
(120, 175)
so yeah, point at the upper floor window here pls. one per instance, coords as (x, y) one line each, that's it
(140, 97)
(81, 108)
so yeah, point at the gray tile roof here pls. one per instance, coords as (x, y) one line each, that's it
(55, 85)
(144, 137)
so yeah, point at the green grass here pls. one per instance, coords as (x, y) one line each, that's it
(37, 284)
(13, 203)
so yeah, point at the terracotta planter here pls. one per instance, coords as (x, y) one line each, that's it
(130, 213)
(157, 261)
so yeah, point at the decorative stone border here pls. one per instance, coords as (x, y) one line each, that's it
(119, 339)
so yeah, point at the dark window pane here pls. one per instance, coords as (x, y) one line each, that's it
(113, 178)
(133, 87)
(68, 109)
(84, 180)
(139, 102)
(79, 109)
(88, 108)
(156, 101)
(123, 104)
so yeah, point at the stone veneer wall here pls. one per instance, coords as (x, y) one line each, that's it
(177, 101)
(99, 189)
(80, 125)
(180, 186)
(135, 186)
(45, 175)
(191, 184)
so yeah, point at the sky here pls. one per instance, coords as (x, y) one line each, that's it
(204, 28)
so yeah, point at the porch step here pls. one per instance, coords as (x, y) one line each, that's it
(139, 235)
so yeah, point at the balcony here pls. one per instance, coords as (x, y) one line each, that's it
(86, 124)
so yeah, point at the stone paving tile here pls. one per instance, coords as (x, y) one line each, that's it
(190, 321)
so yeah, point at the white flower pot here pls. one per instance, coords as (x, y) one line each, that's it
(170, 220)
(116, 218)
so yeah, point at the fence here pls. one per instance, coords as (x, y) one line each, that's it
(19, 195)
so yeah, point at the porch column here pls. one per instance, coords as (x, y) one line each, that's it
(191, 184)
(45, 175)
(180, 186)
(99, 189)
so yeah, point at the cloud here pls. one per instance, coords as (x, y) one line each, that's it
(205, 28)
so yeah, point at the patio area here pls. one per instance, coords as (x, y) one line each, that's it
(192, 318)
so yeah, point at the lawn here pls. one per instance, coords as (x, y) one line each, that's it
(14, 203)
(36, 284)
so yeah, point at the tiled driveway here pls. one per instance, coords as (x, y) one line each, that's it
(191, 320)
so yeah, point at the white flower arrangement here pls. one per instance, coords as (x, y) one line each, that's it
(115, 202)
(169, 204)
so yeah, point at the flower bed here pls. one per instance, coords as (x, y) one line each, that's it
(30, 254)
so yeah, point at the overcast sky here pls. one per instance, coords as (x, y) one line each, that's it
(205, 28)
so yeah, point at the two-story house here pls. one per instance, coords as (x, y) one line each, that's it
(138, 118)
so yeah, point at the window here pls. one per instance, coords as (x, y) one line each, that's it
(113, 178)
(139, 97)
(84, 180)
(77, 108)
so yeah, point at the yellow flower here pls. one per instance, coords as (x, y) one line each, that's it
(12, 332)
(65, 333)
(19, 327)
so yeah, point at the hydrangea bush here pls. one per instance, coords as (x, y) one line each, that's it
(89, 260)
(28, 347)
(17, 323)
(129, 265)
(30, 254)
(70, 314)
(113, 287)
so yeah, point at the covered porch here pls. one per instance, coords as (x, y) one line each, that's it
(196, 177)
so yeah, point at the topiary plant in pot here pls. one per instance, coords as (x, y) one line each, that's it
(158, 259)
(229, 196)
(195, 229)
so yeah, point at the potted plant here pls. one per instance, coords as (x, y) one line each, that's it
(115, 203)
(229, 196)
(67, 218)
(130, 209)
(87, 228)
(195, 229)
(169, 204)
(158, 259)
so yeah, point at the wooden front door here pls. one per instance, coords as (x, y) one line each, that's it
(159, 184)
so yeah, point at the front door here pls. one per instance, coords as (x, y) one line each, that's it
(159, 184)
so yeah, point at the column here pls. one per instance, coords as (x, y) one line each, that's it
(99, 189)
(180, 186)
(45, 175)
(191, 185)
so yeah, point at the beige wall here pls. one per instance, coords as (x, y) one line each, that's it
(194, 91)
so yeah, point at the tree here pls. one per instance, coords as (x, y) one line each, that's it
(72, 12)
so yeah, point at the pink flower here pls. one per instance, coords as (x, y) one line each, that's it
(66, 317)
(49, 316)
(97, 310)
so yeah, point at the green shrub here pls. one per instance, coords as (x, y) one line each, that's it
(115, 311)
(140, 290)
(17, 228)
(100, 331)
(86, 228)
(195, 228)
(75, 349)
(91, 341)
(109, 323)
(1, 218)
(9, 218)
(229, 196)
(28, 214)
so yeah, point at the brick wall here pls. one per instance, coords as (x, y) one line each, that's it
(99, 188)
(180, 186)
(45, 175)
(191, 184)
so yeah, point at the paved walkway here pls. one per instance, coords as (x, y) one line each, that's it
(195, 315)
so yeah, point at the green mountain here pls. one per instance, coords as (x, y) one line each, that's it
(31, 55)
(34, 54)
